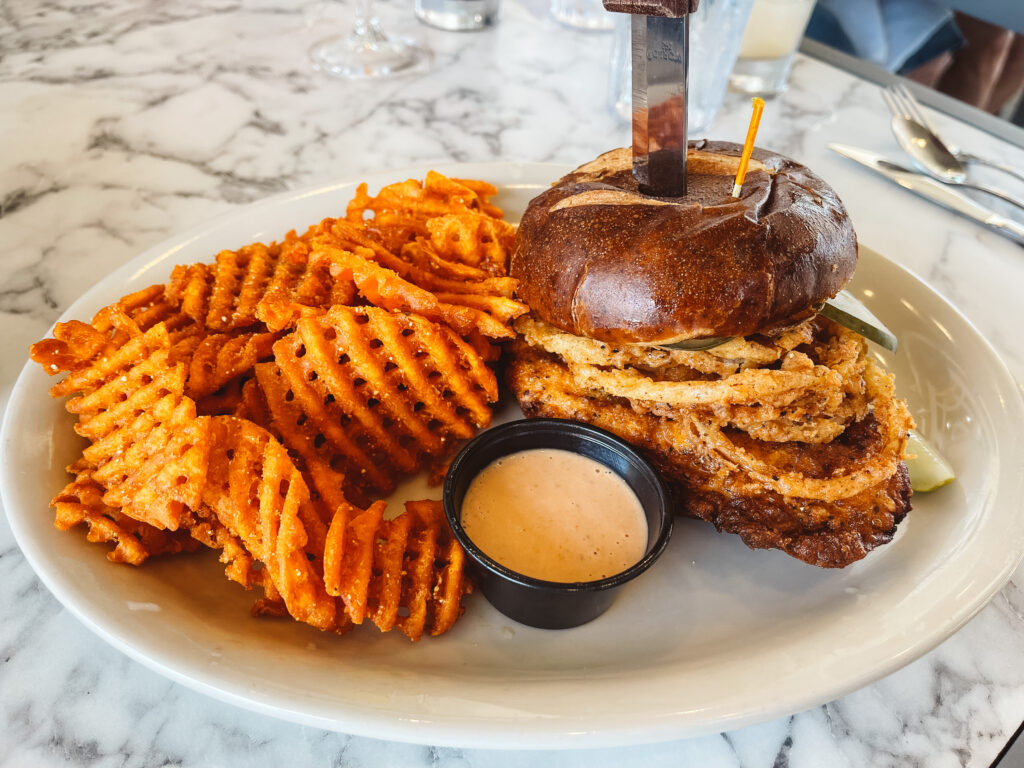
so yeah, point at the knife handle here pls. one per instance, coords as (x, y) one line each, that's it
(672, 9)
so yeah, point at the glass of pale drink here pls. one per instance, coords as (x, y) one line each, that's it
(769, 44)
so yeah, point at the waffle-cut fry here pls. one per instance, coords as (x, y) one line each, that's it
(328, 486)
(413, 200)
(127, 394)
(240, 566)
(280, 313)
(466, 320)
(257, 493)
(471, 238)
(451, 582)
(484, 191)
(226, 401)
(239, 282)
(379, 285)
(297, 279)
(147, 444)
(168, 477)
(384, 288)
(189, 288)
(326, 449)
(420, 573)
(420, 253)
(148, 448)
(437, 468)
(251, 406)
(106, 365)
(322, 470)
(401, 384)
(81, 503)
(348, 236)
(389, 570)
(221, 357)
(407, 572)
(502, 309)
(488, 351)
(348, 556)
(184, 345)
(76, 345)
(334, 401)
(147, 308)
(449, 589)
(232, 295)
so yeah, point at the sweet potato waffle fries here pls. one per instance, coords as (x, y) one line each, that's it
(264, 404)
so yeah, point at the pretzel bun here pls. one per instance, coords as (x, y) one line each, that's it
(596, 257)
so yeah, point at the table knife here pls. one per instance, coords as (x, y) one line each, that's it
(1012, 753)
(660, 43)
(933, 190)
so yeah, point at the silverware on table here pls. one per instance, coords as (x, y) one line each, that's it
(928, 151)
(1012, 753)
(918, 115)
(934, 190)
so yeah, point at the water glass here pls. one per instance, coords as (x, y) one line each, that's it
(769, 45)
(583, 14)
(457, 15)
(715, 32)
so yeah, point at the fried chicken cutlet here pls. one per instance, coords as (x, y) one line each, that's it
(826, 503)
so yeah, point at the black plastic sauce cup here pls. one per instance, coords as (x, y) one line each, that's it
(552, 604)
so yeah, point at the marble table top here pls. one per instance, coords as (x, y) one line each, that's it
(122, 123)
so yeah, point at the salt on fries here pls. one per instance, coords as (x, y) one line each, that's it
(262, 404)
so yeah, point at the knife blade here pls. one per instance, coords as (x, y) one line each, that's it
(660, 61)
(660, 42)
(933, 190)
(847, 310)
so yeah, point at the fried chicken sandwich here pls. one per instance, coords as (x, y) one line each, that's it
(689, 327)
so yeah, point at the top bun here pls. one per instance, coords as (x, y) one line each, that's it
(597, 258)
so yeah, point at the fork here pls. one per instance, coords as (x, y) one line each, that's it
(911, 108)
(929, 153)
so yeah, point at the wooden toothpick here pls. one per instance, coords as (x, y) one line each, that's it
(748, 145)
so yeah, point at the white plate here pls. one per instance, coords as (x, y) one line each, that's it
(714, 637)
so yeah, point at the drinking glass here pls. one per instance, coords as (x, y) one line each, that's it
(367, 52)
(583, 14)
(769, 45)
(715, 32)
(457, 15)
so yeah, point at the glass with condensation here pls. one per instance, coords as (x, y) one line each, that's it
(715, 31)
(769, 45)
(457, 15)
(583, 14)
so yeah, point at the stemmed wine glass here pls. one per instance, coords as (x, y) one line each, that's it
(367, 51)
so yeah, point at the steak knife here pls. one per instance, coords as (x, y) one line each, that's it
(933, 190)
(660, 49)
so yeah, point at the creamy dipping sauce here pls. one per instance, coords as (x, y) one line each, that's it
(555, 515)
